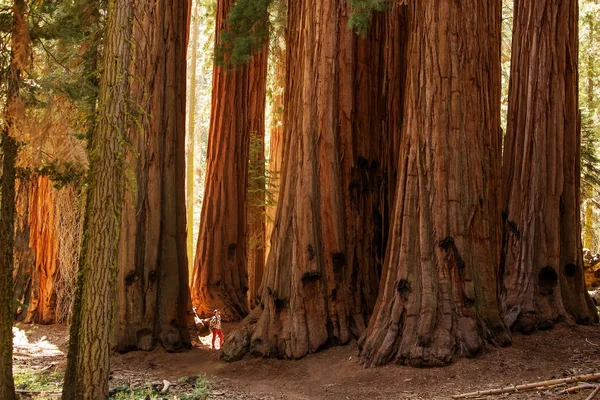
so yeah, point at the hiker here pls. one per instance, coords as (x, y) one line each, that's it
(215, 326)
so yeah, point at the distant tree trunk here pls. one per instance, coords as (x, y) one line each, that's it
(321, 277)
(191, 151)
(257, 187)
(438, 297)
(19, 55)
(36, 257)
(24, 258)
(152, 280)
(220, 277)
(542, 255)
(275, 143)
(88, 362)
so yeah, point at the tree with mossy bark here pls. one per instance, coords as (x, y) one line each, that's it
(543, 280)
(88, 361)
(438, 297)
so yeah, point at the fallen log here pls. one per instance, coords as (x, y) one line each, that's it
(530, 386)
(594, 393)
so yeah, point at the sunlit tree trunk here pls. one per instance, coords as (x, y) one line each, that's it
(191, 147)
(257, 228)
(543, 266)
(88, 362)
(220, 278)
(438, 296)
(152, 279)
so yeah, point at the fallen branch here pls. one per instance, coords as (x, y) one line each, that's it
(165, 389)
(577, 388)
(594, 393)
(37, 392)
(530, 386)
(593, 344)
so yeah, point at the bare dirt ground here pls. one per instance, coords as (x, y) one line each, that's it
(335, 373)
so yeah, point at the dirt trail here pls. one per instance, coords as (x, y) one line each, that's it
(336, 373)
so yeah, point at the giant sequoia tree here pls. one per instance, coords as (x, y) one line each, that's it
(543, 273)
(438, 296)
(322, 273)
(220, 278)
(152, 280)
(88, 362)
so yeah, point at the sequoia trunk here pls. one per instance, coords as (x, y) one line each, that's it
(257, 187)
(321, 277)
(542, 255)
(88, 362)
(152, 279)
(220, 278)
(438, 295)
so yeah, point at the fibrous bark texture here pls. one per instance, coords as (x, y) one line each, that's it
(152, 279)
(438, 298)
(220, 278)
(36, 251)
(322, 274)
(542, 255)
(88, 362)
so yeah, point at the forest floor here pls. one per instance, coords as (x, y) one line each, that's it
(334, 373)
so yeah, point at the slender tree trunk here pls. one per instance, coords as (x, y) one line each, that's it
(220, 278)
(24, 258)
(543, 262)
(19, 57)
(257, 228)
(152, 280)
(191, 151)
(438, 296)
(88, 362)
(321, 277)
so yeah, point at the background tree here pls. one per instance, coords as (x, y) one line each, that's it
(220, 277)
(542, 258)
(88, 362)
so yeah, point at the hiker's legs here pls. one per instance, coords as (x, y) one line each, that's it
(221, 338)
(214, 332)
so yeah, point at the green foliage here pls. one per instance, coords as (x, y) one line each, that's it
(199, 391)
(590, 160)
(362, 12)
(247, 32)
(27, 379)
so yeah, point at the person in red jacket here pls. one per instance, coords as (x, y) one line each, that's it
(215, 327)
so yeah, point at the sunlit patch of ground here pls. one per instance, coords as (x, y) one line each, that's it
(34, 347)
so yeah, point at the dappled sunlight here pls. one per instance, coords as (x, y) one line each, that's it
(25, 345)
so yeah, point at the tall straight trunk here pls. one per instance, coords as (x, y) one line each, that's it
(256, 203)
(220, 278)
(88, 362)
(278, 58)
(438, 295)
(191, 150)
(542, 255)
(19, 55)
(321, 277)
(36, 251)
(152, 279)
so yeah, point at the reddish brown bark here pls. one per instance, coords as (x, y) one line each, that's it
(220, 278)
(257, 228)
(438, 296)
(543, 266)
(321, 276)
(152, 279)
(36, 259)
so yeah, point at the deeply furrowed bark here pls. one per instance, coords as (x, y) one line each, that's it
(542, 255)
(220, 278)
(88, 362)
(152, 279)
(321, 276)
(438, 296)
